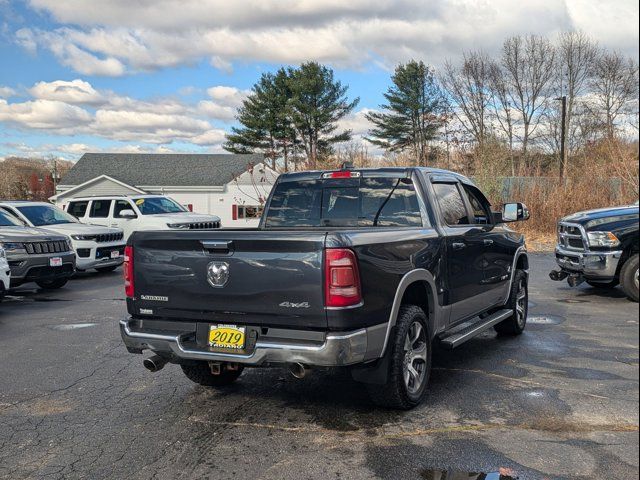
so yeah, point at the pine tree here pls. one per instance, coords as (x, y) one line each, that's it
(265, 121)
(317, 102)
(413, 114)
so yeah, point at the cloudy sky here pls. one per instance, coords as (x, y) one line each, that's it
(167, 75)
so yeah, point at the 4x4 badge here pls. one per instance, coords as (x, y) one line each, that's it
(217, 274)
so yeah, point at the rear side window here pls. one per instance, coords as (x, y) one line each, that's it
(361, 202)
(77, 209)
(100, 208)
(451, 204)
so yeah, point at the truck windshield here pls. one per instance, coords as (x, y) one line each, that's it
(41, 215)
(352, 202)
(158, 205)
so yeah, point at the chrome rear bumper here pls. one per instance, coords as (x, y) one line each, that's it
(338, 348)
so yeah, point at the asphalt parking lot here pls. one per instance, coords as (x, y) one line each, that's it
(561, 401)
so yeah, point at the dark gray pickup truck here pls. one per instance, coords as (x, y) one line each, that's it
(357, 268)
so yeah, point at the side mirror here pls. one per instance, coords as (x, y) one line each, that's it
(515, 212)
(128, 213)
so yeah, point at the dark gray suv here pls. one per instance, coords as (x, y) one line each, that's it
(35, 255)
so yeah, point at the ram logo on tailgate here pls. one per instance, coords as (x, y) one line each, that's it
(217, 274)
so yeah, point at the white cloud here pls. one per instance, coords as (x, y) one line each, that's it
(225, 103)
(44, 114)
(6, 92)
(74, 92)
(77, 108)
(122, 35)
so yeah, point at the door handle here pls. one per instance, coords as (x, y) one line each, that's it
(487, 242)
(458, 245)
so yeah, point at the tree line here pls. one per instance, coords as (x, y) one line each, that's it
(512, 99)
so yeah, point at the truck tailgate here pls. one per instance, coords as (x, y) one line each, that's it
(274, 278)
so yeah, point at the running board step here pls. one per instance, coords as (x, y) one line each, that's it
(467, 333)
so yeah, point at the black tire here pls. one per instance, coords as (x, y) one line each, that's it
(52, 284)
(108, 269)
(629, 277)
(519, 303)
(201, 373)
(400, 392)
(604, 285)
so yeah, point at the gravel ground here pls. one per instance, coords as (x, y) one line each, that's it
(561, 401)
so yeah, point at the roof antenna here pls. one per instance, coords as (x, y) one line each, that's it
(347, 166)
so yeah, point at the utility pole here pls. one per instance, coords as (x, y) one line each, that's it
(563, 137)
(55, 175)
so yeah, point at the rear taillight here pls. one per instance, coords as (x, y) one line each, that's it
(128, 272)
(341, 278)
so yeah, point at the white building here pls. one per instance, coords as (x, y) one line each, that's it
(233, 187)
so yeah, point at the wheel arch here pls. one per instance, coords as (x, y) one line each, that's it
(416, 287)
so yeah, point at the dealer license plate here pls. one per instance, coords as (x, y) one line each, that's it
(227, 336)
(55, 262)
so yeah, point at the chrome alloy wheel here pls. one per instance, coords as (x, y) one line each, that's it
(635, 279)
(414, 366)
(522, 298)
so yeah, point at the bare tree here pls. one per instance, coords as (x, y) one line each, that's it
(576, 53)
(528, 65)
(503, 112)
(469, 87)
(614, 86)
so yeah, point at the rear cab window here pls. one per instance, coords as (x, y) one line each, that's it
(384, 201)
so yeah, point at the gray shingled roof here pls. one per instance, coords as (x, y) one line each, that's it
(151, 169)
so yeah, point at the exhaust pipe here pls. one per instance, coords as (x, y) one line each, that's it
(298, 370)
(154, 364)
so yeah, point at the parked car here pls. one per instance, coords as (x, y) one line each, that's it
(5, 273)
(36, 255)
(601, 248)
(96, 247)
(139, 212)
(360, 268)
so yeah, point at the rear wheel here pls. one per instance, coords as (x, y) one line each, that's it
(604, 285)
(629, 277)
(108, 269)
(519, 303)
(52, 284)
(410, 362)
(201, 373)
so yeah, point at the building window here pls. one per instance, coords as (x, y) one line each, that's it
(246, 212)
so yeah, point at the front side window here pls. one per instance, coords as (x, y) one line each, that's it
(451, 204)
(42, 215)
(353, 202)
(120, 206)
(481, 208)
(100, 208)
(77, 209)
(158, 205)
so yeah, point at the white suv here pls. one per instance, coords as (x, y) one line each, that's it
(139, 212)
(5, 273)
(95, 246)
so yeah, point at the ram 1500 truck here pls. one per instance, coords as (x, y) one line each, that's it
(361, 268)
(599, 247)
